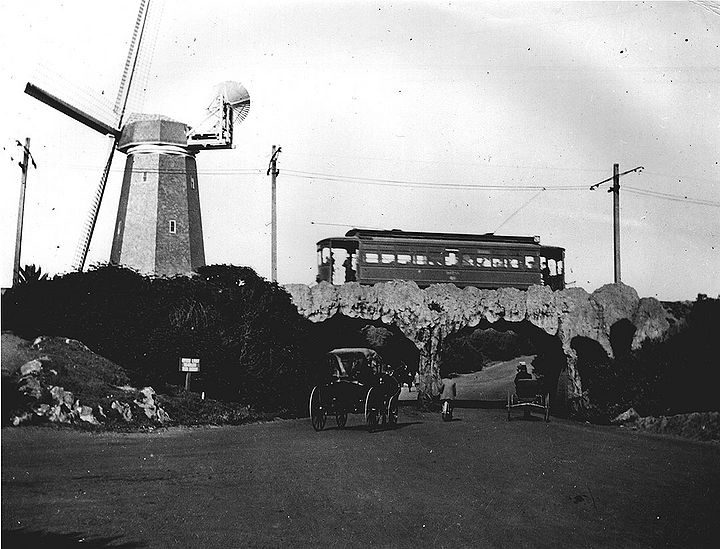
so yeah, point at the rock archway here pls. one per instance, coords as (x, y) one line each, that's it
(427, 316)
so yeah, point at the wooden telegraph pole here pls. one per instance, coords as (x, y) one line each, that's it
(616, 220)
(273, 173)
(24, 166)
(615, 189)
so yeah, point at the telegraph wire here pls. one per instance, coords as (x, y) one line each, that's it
(671, 197)
(401, 183)
(420, 184)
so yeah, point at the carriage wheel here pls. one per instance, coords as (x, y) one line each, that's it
(371, 413)
(341, 419)
(547, 408)
(317, 413)
(393, 410)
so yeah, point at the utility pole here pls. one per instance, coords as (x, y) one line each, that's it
(615, 189)
(21, 207)
(616, 220)
(273, 173)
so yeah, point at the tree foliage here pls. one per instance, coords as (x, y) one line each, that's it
(668, 377)
(245, 330)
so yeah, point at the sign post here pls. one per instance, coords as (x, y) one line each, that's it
(189, 365)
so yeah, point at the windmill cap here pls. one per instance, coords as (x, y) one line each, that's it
(146, 129)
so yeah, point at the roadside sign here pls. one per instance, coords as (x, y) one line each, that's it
(189, 364)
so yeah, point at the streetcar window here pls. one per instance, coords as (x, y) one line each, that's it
(435, 258)
(552, 267)
(560, 267)
(371, 257)
(483, 262)
(451, 257)
(326, 255)
(515, 263)
(421, 260)
(468, 261)
(529, 262)
(319, 254)
(388, 258)
(497, 262)
(404, 259)
(543, 262)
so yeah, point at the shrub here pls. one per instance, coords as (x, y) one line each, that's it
(245, 330)
(669, 377)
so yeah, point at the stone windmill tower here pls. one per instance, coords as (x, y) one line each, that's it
(158, 229)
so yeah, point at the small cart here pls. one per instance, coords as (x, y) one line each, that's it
(529, 395)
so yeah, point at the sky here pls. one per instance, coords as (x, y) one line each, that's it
(466, 117)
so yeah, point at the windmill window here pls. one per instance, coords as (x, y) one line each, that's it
(173, 226)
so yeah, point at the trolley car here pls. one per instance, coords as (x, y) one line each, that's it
(483, 261)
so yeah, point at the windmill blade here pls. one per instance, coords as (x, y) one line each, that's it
(145, 54)
(89, 228)
(73, 112)
(131, 62)
(136, 45)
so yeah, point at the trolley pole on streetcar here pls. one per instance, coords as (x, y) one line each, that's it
(24, 166)
(615, 189)
(273, 173)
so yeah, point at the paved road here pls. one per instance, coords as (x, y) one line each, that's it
(476, 482)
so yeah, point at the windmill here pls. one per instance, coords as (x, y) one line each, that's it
(158, 229)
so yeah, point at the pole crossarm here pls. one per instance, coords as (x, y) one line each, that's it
(596, 185)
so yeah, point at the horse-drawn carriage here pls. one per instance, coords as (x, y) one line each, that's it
(357, 382)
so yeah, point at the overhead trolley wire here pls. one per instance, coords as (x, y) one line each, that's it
(420, 184)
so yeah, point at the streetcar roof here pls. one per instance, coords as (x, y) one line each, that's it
(416, 235)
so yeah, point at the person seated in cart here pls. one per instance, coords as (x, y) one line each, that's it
(522, 372)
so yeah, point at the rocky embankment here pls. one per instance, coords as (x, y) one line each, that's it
(67, 383)
(703, 426)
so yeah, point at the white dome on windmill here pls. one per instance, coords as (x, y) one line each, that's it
(235, 94)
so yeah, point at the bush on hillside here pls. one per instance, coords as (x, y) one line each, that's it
(245, 330)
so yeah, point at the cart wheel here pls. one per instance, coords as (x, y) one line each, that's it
(341, 419)
(371, 413)
(393, 411)
(317, 413)
(509, 402)
(547, 408)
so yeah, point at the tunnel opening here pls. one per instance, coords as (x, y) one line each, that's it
(621, 337)
(396, 350)
(594, 366)
(486, 358)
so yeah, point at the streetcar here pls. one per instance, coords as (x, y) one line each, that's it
(480, 260)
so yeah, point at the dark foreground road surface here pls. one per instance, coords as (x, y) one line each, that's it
(476, 482)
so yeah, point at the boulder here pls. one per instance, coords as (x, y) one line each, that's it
(628, 416)
(31, 368)
(123, 410)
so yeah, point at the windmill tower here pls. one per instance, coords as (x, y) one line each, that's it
(158, 229)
